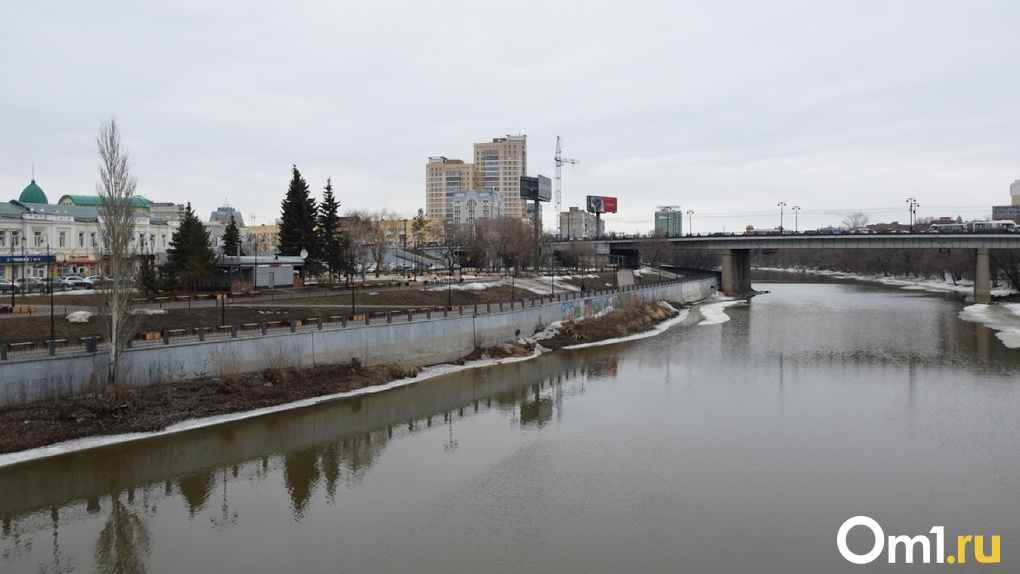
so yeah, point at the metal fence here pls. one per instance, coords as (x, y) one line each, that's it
(94, 343)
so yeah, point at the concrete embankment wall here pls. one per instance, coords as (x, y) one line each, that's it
(418, 343)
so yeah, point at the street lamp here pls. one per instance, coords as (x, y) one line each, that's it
(690, 224)
(913, 212)
(223, 295)
(796, 216)
(13, 283)
(781, 205)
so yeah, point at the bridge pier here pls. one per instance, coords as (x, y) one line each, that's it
(982, 278)
(736, 272)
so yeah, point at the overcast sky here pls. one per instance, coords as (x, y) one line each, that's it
(723, 108)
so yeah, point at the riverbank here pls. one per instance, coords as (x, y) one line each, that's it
(48, 426)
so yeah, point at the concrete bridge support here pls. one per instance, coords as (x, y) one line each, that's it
(736, 272)
(982, 278)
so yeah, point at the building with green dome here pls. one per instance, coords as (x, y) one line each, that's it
(33, 194)
(38, 238)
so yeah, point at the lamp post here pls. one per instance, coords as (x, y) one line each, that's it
(449, 292)
(690, 224)
(781, 205)
(49, 283)
(223, 295)
(14, 285)
(912, 204)
(796, 216)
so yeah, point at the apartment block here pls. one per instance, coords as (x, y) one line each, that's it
(498, 167)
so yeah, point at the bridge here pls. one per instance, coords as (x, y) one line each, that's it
(736, 258)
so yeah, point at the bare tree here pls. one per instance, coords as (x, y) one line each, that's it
(359, 230)
(655, 250)
(453, 242)
(855, 220)
(116, 190)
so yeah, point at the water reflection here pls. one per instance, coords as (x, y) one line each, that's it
(123, 543)
(670, 401)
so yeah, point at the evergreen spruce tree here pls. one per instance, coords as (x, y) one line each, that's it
(191, 262)
(298, 224)
(232, 238)
(335, 253)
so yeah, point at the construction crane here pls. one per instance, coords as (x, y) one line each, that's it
(560, 160)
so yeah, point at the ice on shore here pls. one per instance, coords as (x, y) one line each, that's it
(1003, 318)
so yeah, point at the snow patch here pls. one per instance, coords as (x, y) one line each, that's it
(715, 313)
(144, 311)
(79, 317)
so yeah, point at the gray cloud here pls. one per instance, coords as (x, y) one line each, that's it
(724, 108)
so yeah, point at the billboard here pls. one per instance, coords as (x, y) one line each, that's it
(601, 204)
(536, 188)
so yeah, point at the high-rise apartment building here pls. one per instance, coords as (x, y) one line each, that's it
(498, 166)
(669, 222)
(443, 177)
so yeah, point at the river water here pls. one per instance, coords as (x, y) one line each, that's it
(740, 446)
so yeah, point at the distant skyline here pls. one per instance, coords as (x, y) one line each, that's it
(722, 108)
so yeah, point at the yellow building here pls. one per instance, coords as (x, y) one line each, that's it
(498, 166)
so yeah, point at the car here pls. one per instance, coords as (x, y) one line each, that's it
(56, 284)
(77, 281)
(6, 286)
(29, 284)
(97, 280)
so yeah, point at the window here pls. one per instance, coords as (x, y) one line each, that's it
(37, 239)
(15, 238)
(62, 239)
(92, 238)
(3, 238)
(81, 239)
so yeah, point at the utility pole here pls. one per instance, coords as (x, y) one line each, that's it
(796, 214)
(690, 224)
(781, 205)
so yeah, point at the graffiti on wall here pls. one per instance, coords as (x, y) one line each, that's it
(574, 310)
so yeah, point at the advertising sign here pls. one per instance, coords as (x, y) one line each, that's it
(8, 259)
(601, 204)
(536, 188)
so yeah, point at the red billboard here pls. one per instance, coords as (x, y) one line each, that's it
(601, 204)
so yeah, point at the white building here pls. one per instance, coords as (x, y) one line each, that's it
(467, 206)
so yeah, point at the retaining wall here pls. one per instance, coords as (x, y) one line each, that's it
(418, 343)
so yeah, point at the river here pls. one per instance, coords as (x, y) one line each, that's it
(740, 446)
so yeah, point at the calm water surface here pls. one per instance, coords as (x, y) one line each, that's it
(738, 447)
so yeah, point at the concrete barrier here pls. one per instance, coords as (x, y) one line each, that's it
(419, 343)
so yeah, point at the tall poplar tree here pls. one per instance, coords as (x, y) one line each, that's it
(298, 224)
(191, 261)
(116, 189)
